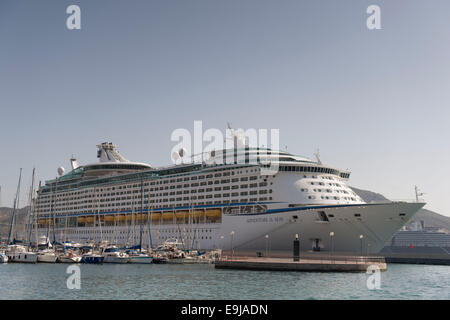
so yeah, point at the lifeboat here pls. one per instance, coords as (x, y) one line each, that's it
(108, 218)
(89, 219)
(155, 216)
(81, 219)
(214, 213)
(142, 217)
(181, 215)
(122, 217)
(198, 214)
(167, 215)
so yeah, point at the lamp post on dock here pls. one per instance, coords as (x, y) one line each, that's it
(232, 251)
(361, 239)
(332, 247)
(267, 245)
(296, 254)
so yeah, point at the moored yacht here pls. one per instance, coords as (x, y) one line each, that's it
(3, 257)
(19, 253)
(112, 254)
(138, 257)
(46, 256)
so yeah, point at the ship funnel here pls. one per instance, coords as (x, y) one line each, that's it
(107, 152)
(74, 163)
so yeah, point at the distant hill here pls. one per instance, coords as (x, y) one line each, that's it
(369, 196)
(430, 218)
(5, 219)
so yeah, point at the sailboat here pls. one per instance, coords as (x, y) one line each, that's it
(112, 254)
(135, 256)
(44, 252)
(90, 254)
(69, 254)
(17, 252)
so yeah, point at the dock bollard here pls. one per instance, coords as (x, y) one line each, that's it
(296, 248)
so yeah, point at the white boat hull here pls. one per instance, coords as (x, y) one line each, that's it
(22, 257)
(47, 258)
(115, 259)
(140, 259)
(64, 259)
(377, 223)
(175, 260)
(3, 258)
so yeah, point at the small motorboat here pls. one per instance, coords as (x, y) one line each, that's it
(69, 257)
(160, 259)
(3, 258)
(19, 253)
(46, 256)
(112, 254)
(136, 257)
(92, 258)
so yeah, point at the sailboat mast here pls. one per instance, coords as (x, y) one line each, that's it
(141, 214)
(150, 207)
(30, 210)
(54, 210)
(65, 223)
(16, 203)
(98, 215)
(37, 216)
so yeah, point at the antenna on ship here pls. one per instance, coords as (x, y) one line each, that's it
(418, 193)
(317, 155)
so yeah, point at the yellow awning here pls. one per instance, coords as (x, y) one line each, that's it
(167, 215)
(182, 214)
(81, 219)
(214, 213)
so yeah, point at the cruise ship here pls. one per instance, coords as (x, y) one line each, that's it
(215, 204)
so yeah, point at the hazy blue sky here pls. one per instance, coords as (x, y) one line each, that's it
(375, 102)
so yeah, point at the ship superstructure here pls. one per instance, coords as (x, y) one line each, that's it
(216, 204)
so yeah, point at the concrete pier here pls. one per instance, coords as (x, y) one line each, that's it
(314, 264)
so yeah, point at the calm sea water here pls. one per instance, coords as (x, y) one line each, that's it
(48, 281)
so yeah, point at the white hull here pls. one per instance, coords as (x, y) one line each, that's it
(64, 259)
(140, 259)
(46, 257)
(175, 261)
(3, 258)
(115, 259)
(22, 257)
(376, 222)
(197, 261)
